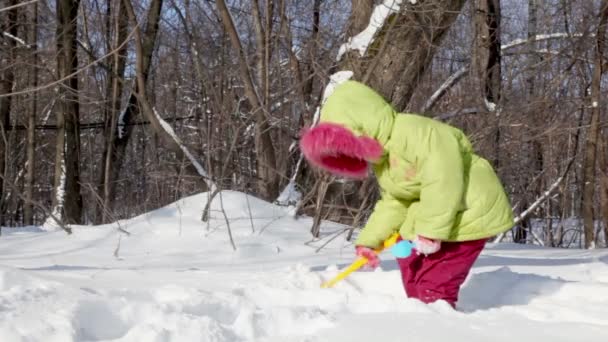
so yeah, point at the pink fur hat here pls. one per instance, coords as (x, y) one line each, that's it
(337, 150)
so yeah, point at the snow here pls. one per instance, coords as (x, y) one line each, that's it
(121, 124)
(57, 214)
(290, 195)
(490, 106)
(363, 40)
(174, 278)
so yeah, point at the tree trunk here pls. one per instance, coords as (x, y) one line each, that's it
(309, 80)
(589, 175)
(28, 206)
(116, 150)
(67, 197)
(403, 48)
(113, 99)
(604, 186)
(162, 129)
(532, 149)
(485, 67)
(7, 79)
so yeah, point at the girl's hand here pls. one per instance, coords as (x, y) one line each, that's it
(426, 246)
(372, 258)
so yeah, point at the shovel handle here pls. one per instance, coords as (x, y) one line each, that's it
(360, 262)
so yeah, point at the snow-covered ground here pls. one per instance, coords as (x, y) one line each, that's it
(176, 279)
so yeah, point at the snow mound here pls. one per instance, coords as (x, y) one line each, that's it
(176, 278)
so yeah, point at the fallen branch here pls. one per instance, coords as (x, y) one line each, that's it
(523, 215)
(538, 38)
(16, 39)
(4, 9)
(449, 82)
(197, 165)
(457, 76)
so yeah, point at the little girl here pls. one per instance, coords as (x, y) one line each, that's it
(435, 190)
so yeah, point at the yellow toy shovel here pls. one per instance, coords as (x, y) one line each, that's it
(359, 262)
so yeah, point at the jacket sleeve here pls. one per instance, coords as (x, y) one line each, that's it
(389, 213)
(441, 174)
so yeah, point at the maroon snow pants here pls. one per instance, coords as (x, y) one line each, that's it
(439, 276)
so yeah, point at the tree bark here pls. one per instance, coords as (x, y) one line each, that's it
(114, 92)
(314, 41)
(28, 205)
(603, 161)
(67, 198)
(486, 68)
(116, 151)
(589, 175)
(7, 79)
(403, 48)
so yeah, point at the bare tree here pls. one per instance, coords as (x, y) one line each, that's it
(118, 136)
(591, 148)
(265, 152)
(28, 206)
(160, 126)
(485, 67)
(8, 25)
(67, 201)
(114, 91)
(603, 161)
(233, 82)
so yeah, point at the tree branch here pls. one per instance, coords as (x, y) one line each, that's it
(46, 86)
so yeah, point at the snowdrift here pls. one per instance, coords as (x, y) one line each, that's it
(175, 278)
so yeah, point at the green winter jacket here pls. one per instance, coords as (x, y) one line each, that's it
(432, 184)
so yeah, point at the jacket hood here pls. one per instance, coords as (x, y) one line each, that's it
(356, 123)
(361, 110)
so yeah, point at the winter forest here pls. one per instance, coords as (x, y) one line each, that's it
(112, 108)
(156, 184)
